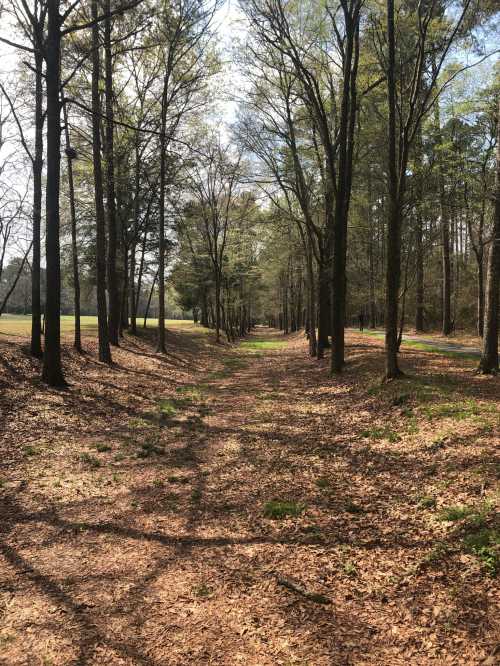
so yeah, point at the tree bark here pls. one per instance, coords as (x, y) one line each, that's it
(102, 319)
(52, 369)
(36, 307)
(161, 349)
(77, 342)
(489, 356)
(393, 265)
(113, 291)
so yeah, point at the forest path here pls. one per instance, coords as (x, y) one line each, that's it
(186, 509)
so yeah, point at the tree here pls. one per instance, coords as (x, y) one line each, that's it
(489, 356)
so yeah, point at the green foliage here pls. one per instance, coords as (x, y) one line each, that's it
(349, 568)
(381, 432)
(262, 344)
(148, 448)
(453, 513)
(90, 460)
(485, 544)
(103, 448)
(279, 509)
(167, 408)
(457, 410)
(427, 502)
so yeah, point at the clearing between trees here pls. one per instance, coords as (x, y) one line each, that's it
(230, 504)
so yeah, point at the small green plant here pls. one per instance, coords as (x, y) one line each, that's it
(90, 460)
(452, 513)
(351, 507)
(30, 450)
(381, 433)
(103, 448)
(322, 482)
(148, 448)
(485, 544)
(349, 569)
(439, 551)
(158, 483)
(196, 495)
(427, 502)
(167, 409)
(202, 590)
(279, 509)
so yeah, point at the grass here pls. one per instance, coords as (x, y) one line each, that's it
(21, 324)
(279, 509)
(103, 448)
(485, 544)
(459, 410)
(427, 347)
(263, 344)
(91, 461)
(453, 513)
(383, 432)
(167, 408)
(427, 502)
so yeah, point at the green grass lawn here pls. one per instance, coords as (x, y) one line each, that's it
(263, 344)
(21, 324)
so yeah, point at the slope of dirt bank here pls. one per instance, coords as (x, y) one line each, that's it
(228, 505)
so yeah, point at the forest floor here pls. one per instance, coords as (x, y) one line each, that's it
(233, 504)
(457, 345)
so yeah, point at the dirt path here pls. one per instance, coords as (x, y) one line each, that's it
(200, 509)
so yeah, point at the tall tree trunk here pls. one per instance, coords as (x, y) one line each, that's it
(52, 369)
(489, 356)
(324, 309)
(102, 319)
(161, 246)
(393, 265)
(113, 292)
(148, 304)
(217, 304)
(445, 233)
(480, 296)
(133, 244)
(77, 342)
(36, 307)
(419, 241)
(342, 202)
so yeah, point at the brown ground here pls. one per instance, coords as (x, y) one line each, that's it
(133, 513)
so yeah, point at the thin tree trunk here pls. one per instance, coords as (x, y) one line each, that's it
(104, 350)
(36, 307)
(445, 234)
(480, 296)
(419, 242)
(3, 304)
(489, 357)
(77, 342)
(114, 296)
(393, 266)
(148, 305)
(161, 247)
(52, 369)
